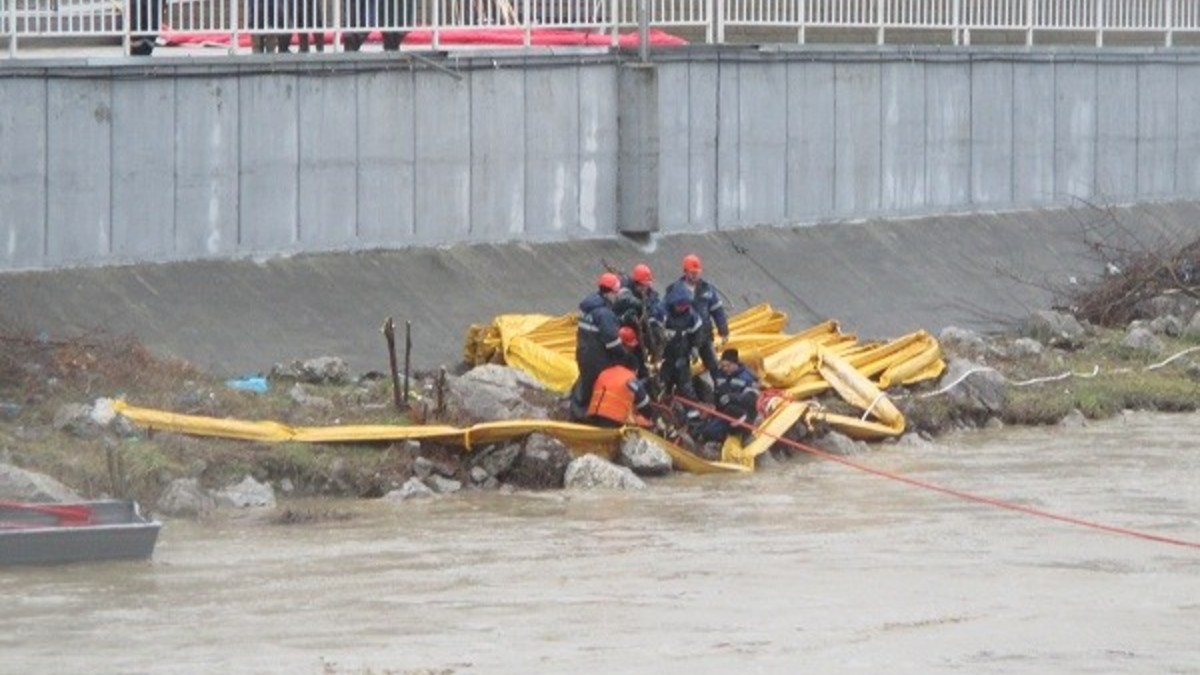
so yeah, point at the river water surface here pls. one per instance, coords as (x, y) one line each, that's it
(806, 567)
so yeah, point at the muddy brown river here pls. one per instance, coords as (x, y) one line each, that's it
(808, 567)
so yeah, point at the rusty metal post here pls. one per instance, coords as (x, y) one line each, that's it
(441, 392)
(389, 332)
(407, 359)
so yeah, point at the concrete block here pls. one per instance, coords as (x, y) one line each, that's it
(207, 168)
(1116, 132)
(704, 110)
(810, 141)
(1187, 155)
(761, 145)
(328, 157)
(269, 150)
(78, 166)
(443, 159)
(1157, 111)
(498, 155)
(22, 173)
(386, 158)
(143, 144)
(552, 154)
(1074, 131)
(857, 120)
(598, 152)
(991, 134)
(903, 138)
(674, 146)
(948, 134)
(1033, 134)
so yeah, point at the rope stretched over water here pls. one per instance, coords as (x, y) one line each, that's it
(990, 501)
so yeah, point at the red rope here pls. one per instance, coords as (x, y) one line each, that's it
(991, 501)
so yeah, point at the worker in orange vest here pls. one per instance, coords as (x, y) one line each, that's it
(618, 397)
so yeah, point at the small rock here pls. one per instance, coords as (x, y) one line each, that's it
(975, 388)
(1055, 328)
(1142, 339)
(836, 443)
(184, 498)
(301, 396)
(413, 488)
(1169, 325)
(590, 472)
(479, 475)
(1074, 420)
(9, 410)
(1192, 330)
(247, 494)
(962, 342)
(443, 485)
(1026, 347)
(645, 456)
(423, 468)
(76, 420)
(497, 459)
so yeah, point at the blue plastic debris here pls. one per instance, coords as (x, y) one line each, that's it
(254, 383)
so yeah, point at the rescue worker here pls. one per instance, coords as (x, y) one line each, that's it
(736, 392)
(638, 301)
(618, 397)
(681, 334)
(597, 344)
(706, 303)
(638, 306)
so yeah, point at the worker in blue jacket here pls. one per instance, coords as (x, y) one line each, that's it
(681, 334)
(597, 344)
(706, 303)
(736, 392)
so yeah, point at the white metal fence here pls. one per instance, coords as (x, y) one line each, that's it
(234, 21)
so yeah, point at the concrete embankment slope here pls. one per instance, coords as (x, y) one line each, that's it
(880, 278)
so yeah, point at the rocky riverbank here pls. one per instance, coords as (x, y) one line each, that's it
(56, 416)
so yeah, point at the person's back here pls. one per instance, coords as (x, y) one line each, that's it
(596, 338)
(618, 398)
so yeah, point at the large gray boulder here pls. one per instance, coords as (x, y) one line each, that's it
(974, 388)
(644, 456)
(1056, 329)
(502, 376)
(496, 459)
(478, 400)
(541, 464)
(590, 472)
(184, 498)
(27, 486)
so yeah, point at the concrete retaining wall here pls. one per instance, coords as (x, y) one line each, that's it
(116, 161)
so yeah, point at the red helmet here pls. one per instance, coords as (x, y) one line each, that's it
(628, 336)
(609, 282)
(641, 274)
(691, 263)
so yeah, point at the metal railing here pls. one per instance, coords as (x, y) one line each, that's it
(235, 21)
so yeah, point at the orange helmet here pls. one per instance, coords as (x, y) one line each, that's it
(609, 282)
(691, 263)
(641, 274)
(628, 336)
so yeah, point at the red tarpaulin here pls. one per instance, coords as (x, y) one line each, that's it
(456, 36)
